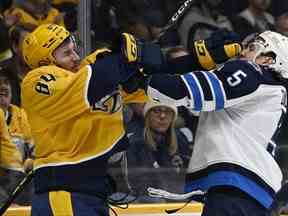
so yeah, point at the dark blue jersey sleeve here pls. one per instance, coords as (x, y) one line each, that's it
(107, 74)
(207, 90)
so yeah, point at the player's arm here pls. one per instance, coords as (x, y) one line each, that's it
(206, 90)
(202, 54)
(205, 54)
(59, 97)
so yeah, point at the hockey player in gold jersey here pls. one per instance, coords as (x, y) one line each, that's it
(76, 121)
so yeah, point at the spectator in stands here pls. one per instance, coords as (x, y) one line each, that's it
(6, 56)
(16, 119)
(281, 24)
(104, 23)
(12, 65)
(19, 131)
(69, 9)
(11, 166)
(201, 21)
(16, 37)
(254, 19)
(5, 4)
(5, 50)
(145, 20)
(158, 152)
(36, 12)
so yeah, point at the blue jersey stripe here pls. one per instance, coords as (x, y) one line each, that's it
(232, 179)
(196, 92)
(218, 92)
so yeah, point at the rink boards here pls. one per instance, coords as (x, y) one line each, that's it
(134, 210)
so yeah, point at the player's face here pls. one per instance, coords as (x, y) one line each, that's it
(251, 50)
(5, 93)
(160, 118)
(67, 57)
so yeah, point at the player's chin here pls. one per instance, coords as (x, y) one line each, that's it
(75, 68)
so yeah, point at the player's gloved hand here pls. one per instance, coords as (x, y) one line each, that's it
(218, 48)
(133, 83)
(128, 46)
(137, 51)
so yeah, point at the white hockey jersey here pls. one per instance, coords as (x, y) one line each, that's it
(241, 107)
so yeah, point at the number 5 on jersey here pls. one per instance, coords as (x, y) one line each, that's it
(236, 78)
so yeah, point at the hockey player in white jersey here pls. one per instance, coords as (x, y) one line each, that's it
(241, 107)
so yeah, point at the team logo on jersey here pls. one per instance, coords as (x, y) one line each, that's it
(110, 103)
(42, 86)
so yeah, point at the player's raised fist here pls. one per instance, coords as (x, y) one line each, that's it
(218, 48)
(128, 45)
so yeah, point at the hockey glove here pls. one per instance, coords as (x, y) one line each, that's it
(138, 81)
(137, 51)
(218, 48)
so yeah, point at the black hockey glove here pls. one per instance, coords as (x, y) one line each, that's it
(138, 81)
(145, 54)
(218, 48)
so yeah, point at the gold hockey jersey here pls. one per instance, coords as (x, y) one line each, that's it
(26, 18)
(70, 131)
(19, 129)
(10, 157)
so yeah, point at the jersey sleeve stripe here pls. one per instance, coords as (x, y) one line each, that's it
(208, 96)
(217, 90)
(195, 90)
(87, 85)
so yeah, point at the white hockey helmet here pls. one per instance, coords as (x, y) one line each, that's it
(275, 44)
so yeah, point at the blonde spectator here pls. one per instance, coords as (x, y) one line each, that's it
(158, 152)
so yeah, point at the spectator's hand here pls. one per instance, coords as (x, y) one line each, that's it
(11, 19)
(177, 162)
(59, 19)
(218, 48)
